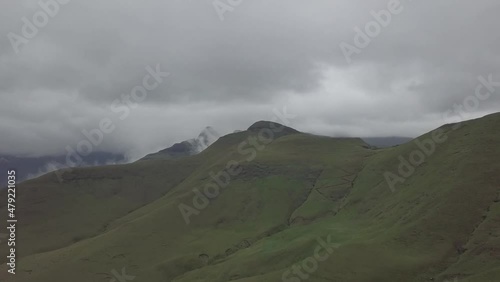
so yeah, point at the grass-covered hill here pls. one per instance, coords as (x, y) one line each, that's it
(273, 204)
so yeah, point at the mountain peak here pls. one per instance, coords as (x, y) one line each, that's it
(274, 126)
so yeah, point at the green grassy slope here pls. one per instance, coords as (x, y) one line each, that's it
(442, 223)
(54, 214)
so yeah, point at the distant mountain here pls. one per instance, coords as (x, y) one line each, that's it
(189, 147)
(30, 167)
(255, 208)
(385, 142)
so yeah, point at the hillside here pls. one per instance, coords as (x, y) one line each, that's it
(31, 167)
(277, 196)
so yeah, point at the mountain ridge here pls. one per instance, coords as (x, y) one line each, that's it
(188, 147)
(441, 223)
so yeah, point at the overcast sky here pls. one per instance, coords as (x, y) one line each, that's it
(229, 73)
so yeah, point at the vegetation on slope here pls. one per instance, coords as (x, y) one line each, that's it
(439, 221)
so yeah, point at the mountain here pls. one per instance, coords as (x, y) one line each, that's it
(273, 204)
(385, 142)
(30, 167)
(187, 148)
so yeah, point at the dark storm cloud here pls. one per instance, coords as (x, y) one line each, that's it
(263, 55)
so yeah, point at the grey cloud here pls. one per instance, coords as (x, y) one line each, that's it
(230, 73)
